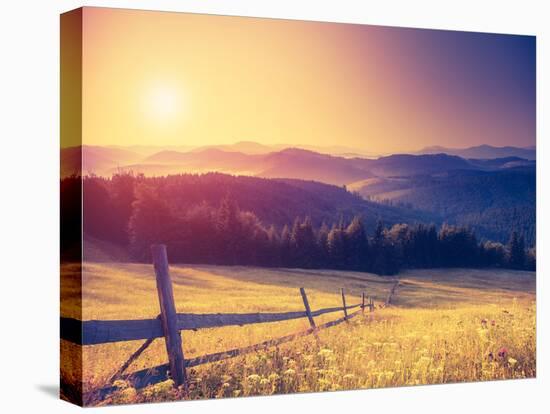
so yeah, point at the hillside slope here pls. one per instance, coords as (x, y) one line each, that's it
(491, 202)
(484, 152)
(280, 201)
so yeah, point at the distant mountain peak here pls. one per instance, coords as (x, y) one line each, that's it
(483, 151)
(297, 151)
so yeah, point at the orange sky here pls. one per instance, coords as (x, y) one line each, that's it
(158, 78)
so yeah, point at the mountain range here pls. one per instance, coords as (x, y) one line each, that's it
(286, 163)
(492, 195)
(250, 147)
(483, 152)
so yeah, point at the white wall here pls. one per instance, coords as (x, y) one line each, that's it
(29, 201)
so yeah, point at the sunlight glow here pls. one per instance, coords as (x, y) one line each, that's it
(163, 103)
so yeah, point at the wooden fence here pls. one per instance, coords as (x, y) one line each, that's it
(169, 324)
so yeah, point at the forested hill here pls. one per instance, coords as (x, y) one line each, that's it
(490, 202)
(275, 202)
(223, 219)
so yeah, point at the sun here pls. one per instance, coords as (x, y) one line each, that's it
(163, 102)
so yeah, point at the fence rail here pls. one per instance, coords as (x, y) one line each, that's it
(95, 332)
(169, 324)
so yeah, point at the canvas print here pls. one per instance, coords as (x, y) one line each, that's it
(261, 206)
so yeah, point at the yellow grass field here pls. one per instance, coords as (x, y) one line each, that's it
(444, 326)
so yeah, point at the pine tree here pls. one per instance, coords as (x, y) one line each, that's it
(152, 222)
(336, 247)
(322, 245)
(122, 194)
(228, 230)
(516, 251)
(274, 243)
(378, 237)
(285, 249)
(356, 245)
(303, 243)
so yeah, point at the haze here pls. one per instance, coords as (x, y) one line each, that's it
(173, 79)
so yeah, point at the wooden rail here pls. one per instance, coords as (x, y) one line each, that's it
(94, 332)
(169, 324)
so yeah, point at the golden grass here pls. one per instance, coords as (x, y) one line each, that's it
(433, 334)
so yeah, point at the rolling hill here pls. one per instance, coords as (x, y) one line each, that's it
(280, 201)
(483, 152)
(309, 165)
(285, 163)
(412, 165)
(490, 201)
(304, 164)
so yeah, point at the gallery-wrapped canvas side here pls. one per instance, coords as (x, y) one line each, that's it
(71, 203)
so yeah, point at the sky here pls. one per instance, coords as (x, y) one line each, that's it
(160, 78)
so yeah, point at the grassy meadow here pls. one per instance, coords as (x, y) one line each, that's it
(443, 326)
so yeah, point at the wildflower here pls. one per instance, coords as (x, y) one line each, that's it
(349, 377)
(253, 378)
(502, 353)
(120, 384)
(493, 323)
(490, 357)
(484, 323)
(126, 395)
(226, 385)
(290, 372)
(273, 377)
(512, 361)
(425, 360)
(324, 383)
(325, 352)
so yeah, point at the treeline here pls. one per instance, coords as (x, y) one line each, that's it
(135, 212)
(273, 201)
(491, 203)
(228, 236)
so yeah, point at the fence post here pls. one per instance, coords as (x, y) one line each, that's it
(168, 316)
(363, 302)
(308, 313)
(371, 305)
(344, 304)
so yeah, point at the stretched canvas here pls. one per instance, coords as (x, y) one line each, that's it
(259, 206)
